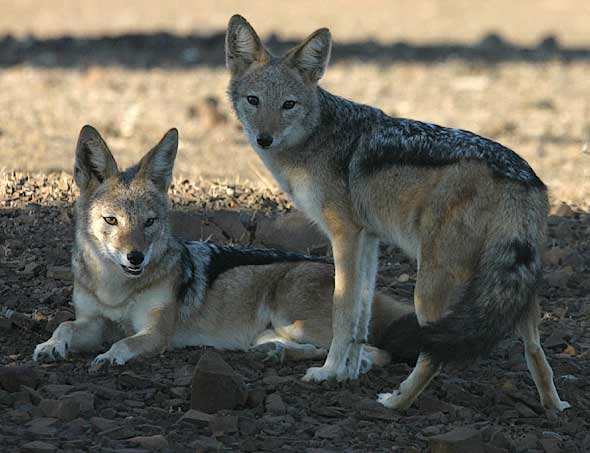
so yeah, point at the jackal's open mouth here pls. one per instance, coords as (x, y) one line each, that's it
(135, 271)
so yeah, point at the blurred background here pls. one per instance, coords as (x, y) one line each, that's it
(517, 72)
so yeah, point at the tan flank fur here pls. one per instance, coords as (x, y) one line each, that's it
(141, 289)
(470, 211)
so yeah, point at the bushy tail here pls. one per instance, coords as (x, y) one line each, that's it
(494, 301)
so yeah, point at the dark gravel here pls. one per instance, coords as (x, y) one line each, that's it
(139, 407)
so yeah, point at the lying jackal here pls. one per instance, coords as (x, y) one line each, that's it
(137, 285)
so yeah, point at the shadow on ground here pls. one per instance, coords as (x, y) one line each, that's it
(148, 50)
(493, 400)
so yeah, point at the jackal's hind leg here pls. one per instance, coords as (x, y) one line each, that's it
(280, 348)
(538, 366)
(431, 297)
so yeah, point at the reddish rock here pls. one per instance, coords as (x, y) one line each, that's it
(462, 440)
(216, 385)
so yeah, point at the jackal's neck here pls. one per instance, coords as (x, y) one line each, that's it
(339, 112)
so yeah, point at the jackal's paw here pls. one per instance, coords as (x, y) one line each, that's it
(562, 405)
(52, 350)
(108, 357)
(275, 350)
(393, 400)
(320, 374)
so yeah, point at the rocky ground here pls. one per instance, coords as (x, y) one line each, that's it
(516, 72)
(489, 406)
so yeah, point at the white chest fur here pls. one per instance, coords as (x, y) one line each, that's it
(133, 310)
(307, 197)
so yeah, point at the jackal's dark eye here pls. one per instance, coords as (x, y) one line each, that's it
(253, 100)
(288, 105)
(110, 220)
(149, 222)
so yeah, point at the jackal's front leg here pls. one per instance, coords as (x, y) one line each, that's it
(152, 338)
(347, 245)
(360, 361)
(76, 336)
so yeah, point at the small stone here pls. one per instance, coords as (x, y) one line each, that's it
(22, 321)
(429, 405)
(555, 255)
(526, 441)
(68, 410)
(118, 433)
(550, 445)
(6, 398)
(329, 432)
(403, 278)
(49, 407)
(223, 424)
(152, 443)
(206, 444)
(524, 410)
(37, 447)
(34, 395)
(500, 440)
(12, 377)
(275, 405)
(60, 273)
(195, 417)
(249, 445)
(461, 440)
(559, 278)
(42, 432)
(103, 424)
(32, 269)
(5, 323)
(86, 400)
(247, 426)
(56, 390)
(256, 397)
(216, 386)
(555, 340)
(42, 422)
(75, 427)
(128, 379)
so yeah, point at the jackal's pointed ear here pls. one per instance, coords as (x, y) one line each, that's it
(311, 57)
(243, 46)
(158, 164)
(94, 161)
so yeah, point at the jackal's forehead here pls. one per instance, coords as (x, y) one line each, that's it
(271, 82)
(135, 199)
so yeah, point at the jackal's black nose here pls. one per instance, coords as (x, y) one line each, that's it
(264, 140)
(135, 257)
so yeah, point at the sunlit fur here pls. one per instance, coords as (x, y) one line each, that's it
(189, 292)
(470, 211)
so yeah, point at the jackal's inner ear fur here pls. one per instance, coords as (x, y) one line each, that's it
(243, 46)
(158, 164)
(94, 161)
(312, 56)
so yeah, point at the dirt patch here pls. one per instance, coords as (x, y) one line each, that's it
(141, 405)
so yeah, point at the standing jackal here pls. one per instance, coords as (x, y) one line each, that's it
(470, 211)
